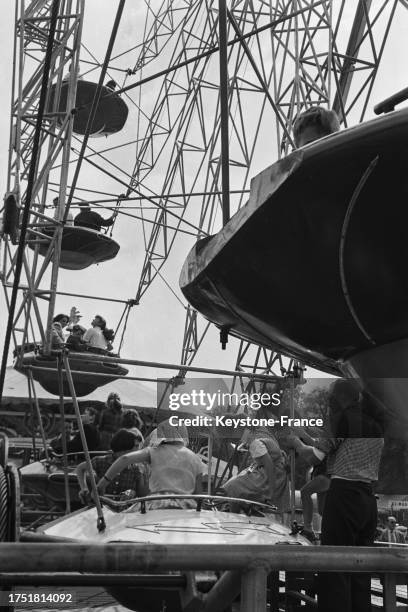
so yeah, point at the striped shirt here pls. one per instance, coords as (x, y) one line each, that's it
(133, 477)
(356, 459)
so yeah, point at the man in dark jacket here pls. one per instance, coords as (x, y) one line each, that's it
(90, 218)
(91, 435)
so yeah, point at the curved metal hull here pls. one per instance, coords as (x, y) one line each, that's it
(170, 527)
(81, 247)
(111, 113)
(174, 527)
(88, 374)
(315, 263)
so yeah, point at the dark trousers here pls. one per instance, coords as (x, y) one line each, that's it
(349, 519)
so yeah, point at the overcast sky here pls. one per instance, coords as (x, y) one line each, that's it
(155, 327)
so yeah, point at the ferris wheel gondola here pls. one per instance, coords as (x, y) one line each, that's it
(89, 371)
(81, 247)
(111, 112)
(330, 283)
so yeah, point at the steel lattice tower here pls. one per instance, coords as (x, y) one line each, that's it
(279, 58)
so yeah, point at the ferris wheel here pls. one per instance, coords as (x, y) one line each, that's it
(189, 101)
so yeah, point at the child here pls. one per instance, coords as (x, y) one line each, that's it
(174, 469)
(133, 477)
(74, 340)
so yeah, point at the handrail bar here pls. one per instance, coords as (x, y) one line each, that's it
(196, 497)
(135, 557)
(168, 366)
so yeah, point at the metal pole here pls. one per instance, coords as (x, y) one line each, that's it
(210, 454)
(38, 412)
(135, 557)
(101, 525)
(253, 590)
(224, 109)
(167, 366)
(166, 581)
(390, 593)
(33, 433)
(292, 454)
(223, 593)
(64, 436)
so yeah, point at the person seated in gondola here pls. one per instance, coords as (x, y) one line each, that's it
(59, 322)
(133, 478)
(92, 219)
(98, 337)
(314, 123)
(265, 480)
(74, 445)
(74, 341)
(110, 420)
(70, 219)
(174, 469)
(111, 84)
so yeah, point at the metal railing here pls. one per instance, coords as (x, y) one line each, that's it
(247, 567)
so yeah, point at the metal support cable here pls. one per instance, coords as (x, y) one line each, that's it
(125, 315)
(30, 185)
(146, 197)
(169, 286)
(115, 213)
(224, 110)
(101, 525)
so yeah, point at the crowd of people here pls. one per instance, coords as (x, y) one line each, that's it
(347, 451)
(164, 466)
(100, 427)
(345, 457)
